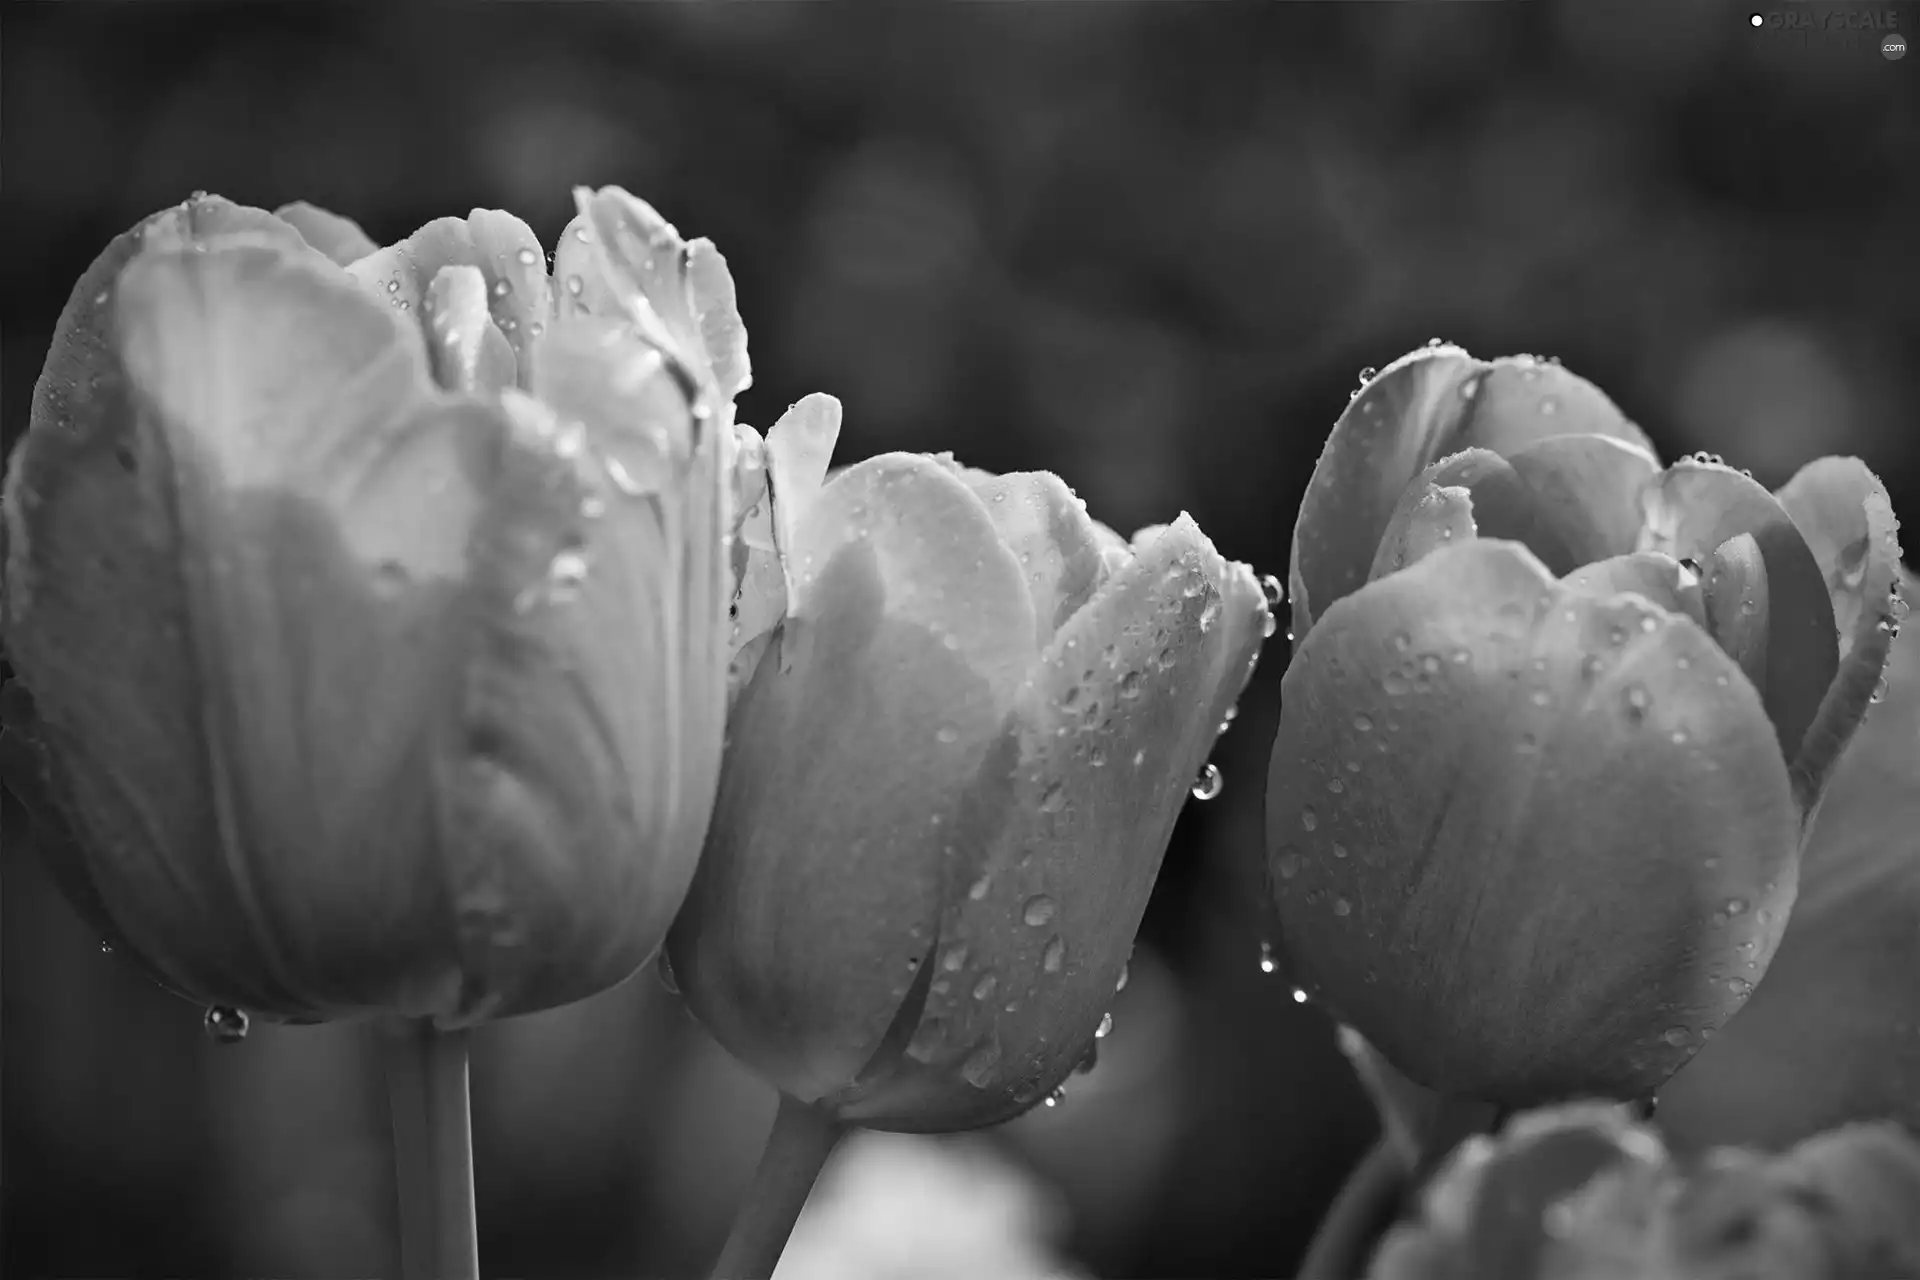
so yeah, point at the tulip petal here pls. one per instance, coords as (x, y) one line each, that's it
(1661, 579)
(905, 644)
(1843, 511)
(1061, 839)
(1866, 1178)
(686, 284)
(1051, 534)
(1590, 486)
(799, 446)
(96, 625)
(506, 251)
(1691, 511)
(468, 353)
(341, 239)
(1738, 605)
(1833, 1034)
(1429, 517)
(1423, 407)
(1477, 773)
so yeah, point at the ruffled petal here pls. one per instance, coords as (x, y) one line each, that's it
(1051, 535)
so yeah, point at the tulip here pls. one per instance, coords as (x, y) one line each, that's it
(357, 692)
(1557, 724)
(949, 784)
(368, 609)
(1582, 1193)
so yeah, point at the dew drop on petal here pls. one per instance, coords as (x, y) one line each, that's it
(1038, 910)
(1053, 799)
(948, 735)
(1120, 983)
(1309, 819)
(1675, 1036)
(1209, 783)
(1637, 700)
(1271, 588)
(1266, 958)
(1339, 850)
(1058, 1096)
(977, 1070)
(978, 889)
(1288, 865)
(226, 1024)
(1341, 907)
(1363, 723)
(1105, 1028)
(1054, 956)
(1299, 995)
(954, 959)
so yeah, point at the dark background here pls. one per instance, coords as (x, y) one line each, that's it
(1147, 246)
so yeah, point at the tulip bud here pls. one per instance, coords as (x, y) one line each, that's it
(1580, 1193)
(950, 782)
(1555, 727)
(371, 655)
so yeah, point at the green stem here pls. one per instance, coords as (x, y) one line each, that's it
(803, 1137)
(1366, 1206)
(432, 1149)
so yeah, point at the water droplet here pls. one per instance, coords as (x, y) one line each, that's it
(663, 970)
(1058, 1096)
(1210, 613)
(1394, 684)
(1675, 1036)
(948, 735)
(1097, 757)
(977, 1070)
(1209, 783)
(1299, 995)
(1363, 723)
(106, 948)
(1341, 907)
(1402, 641)
(1054, 956)
(1739, 986)
(1038, 911)
(1140, 756)
(567, 570)
(1120, 983)
(1549, 406)
(1309, 819)
(1879, 693)
(1678, 737)
(1735, 906)
(983, 989)
(1272, 588)
(1470, 388)
(501, 288)
(1336, 786)
(393, 286)
(1130, 685)
(226, 1024)
(527, 257)
(1339, 850)
(1368, 374)
(1287, 864)
(1105, 1028)
(1054, 798)
(575, 285)
(1541, 698)
(979, 888)
(1637, 701)
(1590, 666)
(1266, 957)
(955, 958)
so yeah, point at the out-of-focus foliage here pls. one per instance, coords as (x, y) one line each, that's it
(1146, 247)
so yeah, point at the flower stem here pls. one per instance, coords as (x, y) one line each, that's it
(1360, 1214)
(432, 1149)
(797, 1149)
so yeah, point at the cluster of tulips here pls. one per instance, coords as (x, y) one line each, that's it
(413, 634)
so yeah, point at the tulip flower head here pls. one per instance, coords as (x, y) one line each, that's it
(1582, 1193)
(368, 604)
(950, 780)
(1557, 723)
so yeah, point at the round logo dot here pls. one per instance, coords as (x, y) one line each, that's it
(1893, 48)
(1756, 20)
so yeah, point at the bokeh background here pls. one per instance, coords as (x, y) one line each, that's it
(1148, 246)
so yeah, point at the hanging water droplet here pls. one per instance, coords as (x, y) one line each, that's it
(226, 1024)
(1368, 374)
(1209, 783)
(1054, 956)
(1272, 588)
(1058, 1096)
(1299, 995)
(1105, 1028)
(106, 948)
(1038, 910)
(1266, 957)
(663, 970)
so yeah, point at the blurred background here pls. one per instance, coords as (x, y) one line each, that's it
(1148, 246)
